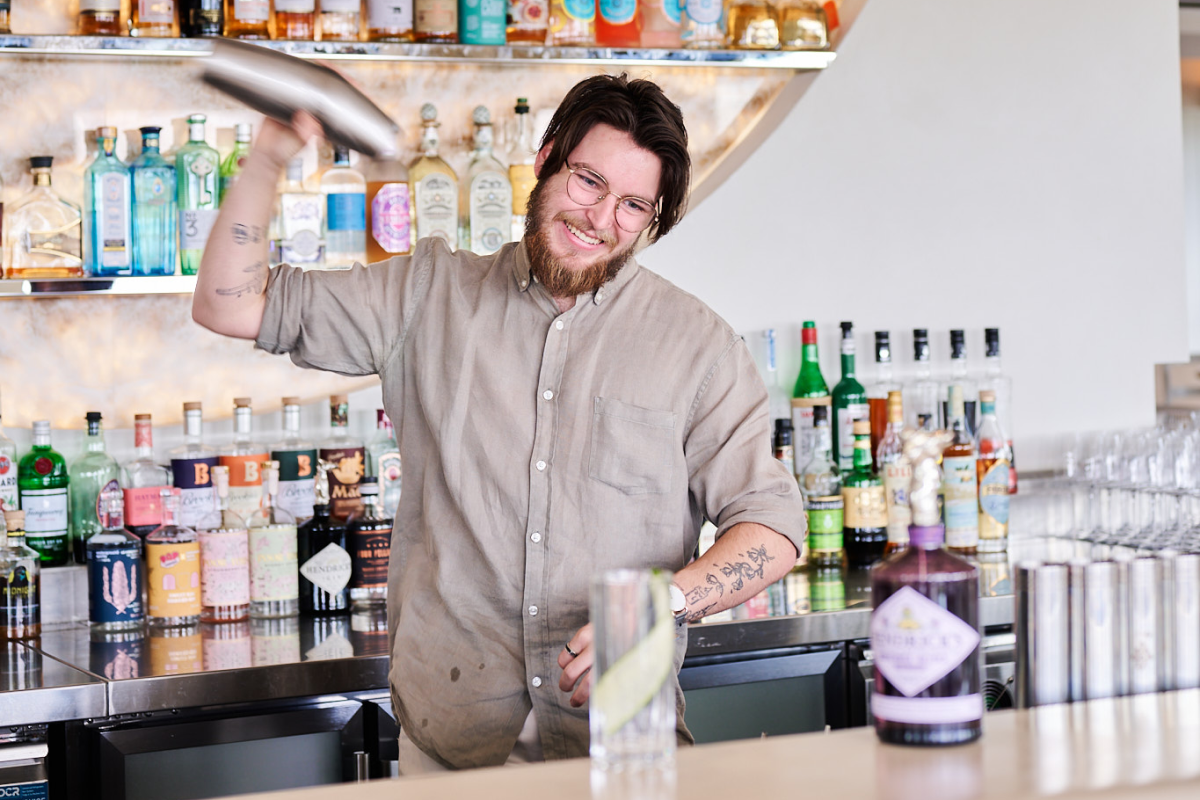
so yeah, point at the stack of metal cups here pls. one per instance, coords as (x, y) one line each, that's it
(1087, 630)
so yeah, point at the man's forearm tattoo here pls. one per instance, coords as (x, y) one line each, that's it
(741, 571)
(247, 234)
(254, 285)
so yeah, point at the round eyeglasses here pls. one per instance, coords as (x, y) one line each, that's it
(587, 188)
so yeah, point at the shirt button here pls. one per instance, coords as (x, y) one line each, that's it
(535, 537)
(549, 395)
(541, 465)
(533, 611)
(599, 296)
(536, 682)
(524, 284)
(558, 323)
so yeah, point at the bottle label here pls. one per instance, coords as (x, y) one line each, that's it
(21, 595)
(618, 12)
(114, 220)
(961, 509)
(100, 5)
(391, 218)
(491, 212)
(341, 6)
(528, 15)
(193, 477)
(436, 16)
(227, 648)
(704, 12)
(370, 562)
(245, 482)
(297, 482)
(825, 522)
(389, 15)
(176, 655)
(344, 498)
(866, 507)
(115, 584)
(224, 568)
(8, 483)
(329, 570)
(523, 179)
(173, 579)
(157, 11)
(195, 225)
(295, 6)
(673, 9)
(846, 417)
(273, 563)
(251, 10)
(437, 207)
(96, 523)
(45, 512)
(897, 477)
(481, 22)
(582, 10)
(300, 227)
(993, 501)
(346, 211)
(143, 506)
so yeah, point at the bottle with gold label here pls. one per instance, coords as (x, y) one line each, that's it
(958, 480)
(753, 25)
(20, 580)
(803, 25)
(896, 473)
(345, 454)
(340, 20)
(435, 21)
(172, 569)
(100, 18)
(433, 187)
(821, 485)
(521, 157)
(153, 18)
(866, 504)
(248, 19)
(991, 467)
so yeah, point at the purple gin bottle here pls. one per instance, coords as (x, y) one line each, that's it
(925, 626)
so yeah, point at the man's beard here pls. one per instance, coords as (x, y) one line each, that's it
(561, 280)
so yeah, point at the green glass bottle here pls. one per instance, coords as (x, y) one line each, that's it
(865, 520)
(810, 391)
(42, 481)
(231, 167)
(821, 486)
(849, 403)
(92, 474)
(197, 167)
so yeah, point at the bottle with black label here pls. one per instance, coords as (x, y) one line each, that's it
(321, 552)
(370, 544)
(865, 502)
(115, 572)
(345, 455)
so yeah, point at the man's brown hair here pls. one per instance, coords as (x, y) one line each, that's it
(640, 109)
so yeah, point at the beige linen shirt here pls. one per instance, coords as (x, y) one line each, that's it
(539, 448)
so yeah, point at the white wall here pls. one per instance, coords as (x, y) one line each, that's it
(1011, 163)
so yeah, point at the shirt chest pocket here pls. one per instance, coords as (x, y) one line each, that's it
(632, 447)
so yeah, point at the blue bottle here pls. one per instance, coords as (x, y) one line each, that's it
(154, 211)
(107, 200)
(115, 571)
(482, 21)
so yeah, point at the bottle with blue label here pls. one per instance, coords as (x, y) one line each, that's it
(482, 21)
(618, 23)
(191, 468)
(345, 192)
(992, 466)
(107, 203)
(958, 480)
(115, 573)
(703, 24)
(154, 211)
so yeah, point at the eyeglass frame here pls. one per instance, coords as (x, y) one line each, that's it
(653, 206)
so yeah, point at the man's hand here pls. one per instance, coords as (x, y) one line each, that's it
(577, 669)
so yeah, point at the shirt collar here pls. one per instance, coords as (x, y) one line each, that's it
(523, 275)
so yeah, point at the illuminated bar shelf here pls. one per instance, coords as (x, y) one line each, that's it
(83, 287)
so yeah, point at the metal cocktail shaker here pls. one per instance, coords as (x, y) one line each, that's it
(279, 85)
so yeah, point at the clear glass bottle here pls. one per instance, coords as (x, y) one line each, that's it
(201, 17)
(21, 571)
(155, 18)
(1000, 385)
(300, 221)
(115, 573)
(803, 25)
(959, 377)
(321, 552)
(866, 518)
(172, 570)
(224, 559)
(435, 21)
(197, 167)
(389, 210)
(959, 484)
(42, 481)
(8, 472)
(571, 23)
(521, 157)
(248, 19)
(433, 186)
(345, 192)
(662, 24)
(389, 20)
(274, 590)
(809, 392)
(295, 19)
(243, 457)
(703, 24)
(344, 453)
(896, 473)
(231, 167)
(191, 468)
(143, 480)
(100, 18)
(154, 208)
(370, 542)
(821, 485)
(485, 209)
(43, 230)
(107, 210)
(481, 23)
(752, 25)
(92, 474)
(297, 458)
(339, 20)
(992, 465)
(383, 462)
(921, 393)
(849, 403)
(527, 22)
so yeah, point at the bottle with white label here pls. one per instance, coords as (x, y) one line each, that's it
(433, 186)
(345, 192)
(298, 223)
(959, 480)
(849, 403)
(274, 587)
(42, 480)
(191, 468)
(325, 566)
(107, 210)
(295, 19)
(8, 472)
(339, 20)
(297, 458)
(244, 457)
(896, 473)
(248, 19)
(389, 20)
(485, 209)
(224, 558)
(992, 466)
(197, 170)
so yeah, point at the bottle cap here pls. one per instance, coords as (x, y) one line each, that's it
(41, 162)
(847, 330)
(987, 396)
(241, 402)
(958, 344)
(150, 130)
(242, 132)
(41, 426)
(820, 414)
(14, 518)
(191, 406)
(429, 113)
(808, 334)
(92, 416)
(106, 132)
(862, 427)
(291, 401)
(783, 432)
(197, 119)
(295, 170)
(991, 338)
(895, 406)
(522, 106)
(368, 485)
(883, 347)
(341, 155)
(481, 116)
(141, 417)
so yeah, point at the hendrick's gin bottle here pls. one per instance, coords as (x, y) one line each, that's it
(321, 552)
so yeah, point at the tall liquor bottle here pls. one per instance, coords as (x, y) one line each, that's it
(172, 570)
(779, 399)
(752, 25)
(115, 577)
(42, 481)
(143, 480)
(297, 464)
(152, 18)
(295, 19)
(810, 391)
(344, 453)
(8, 472)
(383, 462)
(482, 22)
(703, 24)
(201, 17)
(389, 210)
(390, 20)
(5, 12)
(433, 186)
(248, 19)
(191, 468)
(925, 626)
(231, 167)
(1000, 385)
(224, 558)
(345, 192)
(896, 473)
(92, 474)
(959, 482)
(485, 209)
(244, 457)
(849, 403)
(154, 211)
(196, 171)
(20, 582)
(321, 552)
(803, 25)
(662, 23)
(618, 23)
(992, 466)
(958, 377)
(339, 20)
(571, 23)
(866, 517)
(785, 451)
(43, 230)
(300, 221)
(107, 209)
(521, 157)
(435, 21)
(100, 18)
(921, 393)
(821, 485)
(527, 21)
(370, 542)
(274, 590)
(880, 388)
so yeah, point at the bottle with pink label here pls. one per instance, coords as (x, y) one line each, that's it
(925, 627)
(142, 481)
(224, 559)
(274, 576)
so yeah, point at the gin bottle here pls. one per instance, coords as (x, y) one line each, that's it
(991, 467)
(152, 18)
(42, 480)
(849, 403)
(921, 392)
(248, 19)
(345, 192)
(959, 377)
(880, 388)
(433, 186)
(344, 453)
(340, 20)
(274, 590)
(295, 19)
(172, 570)
(481, 22)
(389, 20)
(115, 579)
(821, 485)
(297, 460)
(896, 473)
(143, 480)
(231, 167)
(196, 170)
(20, 581)
(321, 552)
(154, 209)
(1000, 384)
(107, 209)
(299, 221)
(244, 457)
(43, 230)
(958, 481)
(865, 518)
(224, 559)
(370, 541)
(92, 474)
(810, 391)
(521, 157)
(383, 462)
(8, 472)
(485, 209)
(389, 210)
(191, 468)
